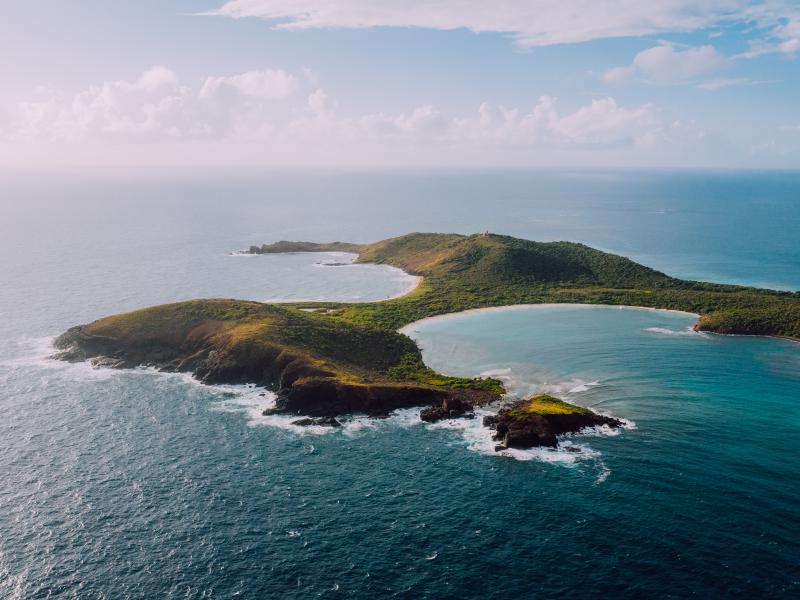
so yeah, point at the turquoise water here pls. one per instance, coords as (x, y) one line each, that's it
(141, 485)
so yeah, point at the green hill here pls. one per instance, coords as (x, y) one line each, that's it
(491, 260)
(463, 272)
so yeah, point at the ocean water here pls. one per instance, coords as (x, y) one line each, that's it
(135, 484)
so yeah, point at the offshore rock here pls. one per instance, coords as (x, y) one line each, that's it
(450, 408)
(538, 421)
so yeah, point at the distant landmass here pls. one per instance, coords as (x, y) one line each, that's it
(326, 359)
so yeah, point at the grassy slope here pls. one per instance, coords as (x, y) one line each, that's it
(546, 405)
(463, 272)
(355, 353)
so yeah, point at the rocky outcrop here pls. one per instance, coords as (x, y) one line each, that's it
(319, 421)
(539, 420)
(324, 396)
(450, 408)
(285, 246)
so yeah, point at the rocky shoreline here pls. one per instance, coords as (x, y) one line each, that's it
(302, 387)
(318, 396)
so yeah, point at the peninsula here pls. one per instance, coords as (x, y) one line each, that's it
(326, 359)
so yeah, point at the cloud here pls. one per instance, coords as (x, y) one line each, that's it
(783, 33)
(320, 104)
(604, 123)
(530, 22)
(154, 106)
(619, 74)
(600, 124)
(665, 64)
(264, 85)
(254, 107)
(712, 85)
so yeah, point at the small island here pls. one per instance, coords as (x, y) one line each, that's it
(327, 359)
(539, 419)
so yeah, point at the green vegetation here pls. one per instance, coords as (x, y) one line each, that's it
(354, 352)
(411, 368)
(284, 246)
(465, 272)
(254, 334)
(546, 405)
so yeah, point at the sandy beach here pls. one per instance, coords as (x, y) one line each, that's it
(543, 305)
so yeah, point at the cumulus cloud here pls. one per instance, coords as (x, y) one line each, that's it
(600, 124)
(531, 22)
(154, 106)
(157, 106)
(666, 64)
(264, 85)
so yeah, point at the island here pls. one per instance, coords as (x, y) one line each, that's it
(538, 421)
(327, 359)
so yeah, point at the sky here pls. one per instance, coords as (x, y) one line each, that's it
(403, 83)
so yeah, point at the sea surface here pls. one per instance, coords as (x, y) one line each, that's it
(135, 484)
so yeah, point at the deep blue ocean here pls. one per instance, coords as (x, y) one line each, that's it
(135, 484)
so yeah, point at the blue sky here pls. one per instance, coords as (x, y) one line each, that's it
(368, 83)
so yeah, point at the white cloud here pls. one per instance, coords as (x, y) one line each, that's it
(783, 33)
(665, 64)
(602, 123)
(619, 74)
(263, 85)
(237, 119)
(712, 85)
(154, 106)
(531, 22)
(151, 105)
(320, 104)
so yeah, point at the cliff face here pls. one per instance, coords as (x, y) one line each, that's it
(317, 366)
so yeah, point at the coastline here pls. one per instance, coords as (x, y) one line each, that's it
(543, 305)
(404, 329)
(414, 285)
(417, 279)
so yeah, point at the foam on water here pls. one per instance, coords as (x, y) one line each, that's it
(478, 438)
(689, 331)
(570, 386)
(33, 353)
(251, 401)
